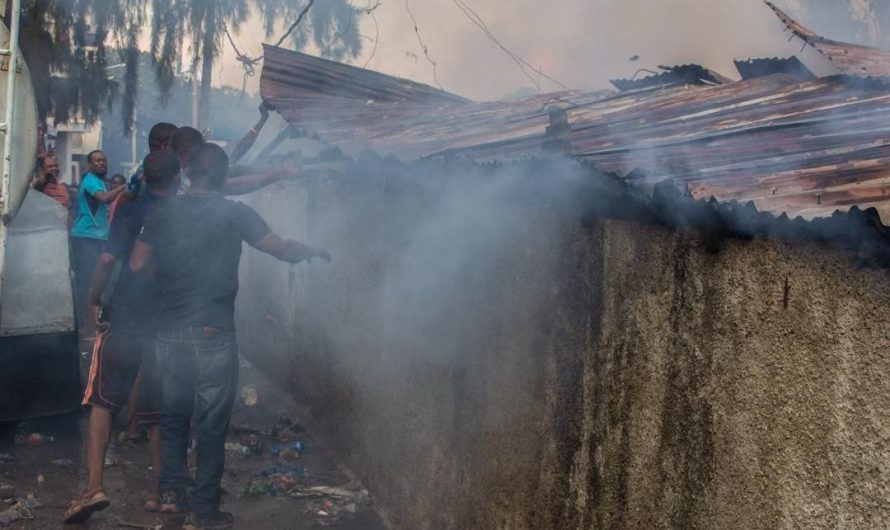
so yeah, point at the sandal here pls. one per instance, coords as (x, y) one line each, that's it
(152, 503)
(125, 437)
(81, 509)
(171, 503)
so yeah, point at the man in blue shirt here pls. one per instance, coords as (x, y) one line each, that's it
(90, 229)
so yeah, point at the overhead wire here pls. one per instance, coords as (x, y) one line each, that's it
(296, 23)
(423, 46)
(524, 65)
(249, 63)
(370, 11)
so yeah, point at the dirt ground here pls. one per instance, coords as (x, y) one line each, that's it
(37, 471)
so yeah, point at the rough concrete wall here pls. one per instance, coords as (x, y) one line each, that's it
(523, 371)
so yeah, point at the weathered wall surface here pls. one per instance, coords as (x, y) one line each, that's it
(486, 362)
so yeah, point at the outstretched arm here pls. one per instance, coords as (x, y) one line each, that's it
(247, 142)
(288, 250)
(107, 197)
(243, 180)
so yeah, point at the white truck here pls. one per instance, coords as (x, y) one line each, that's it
(39, 366)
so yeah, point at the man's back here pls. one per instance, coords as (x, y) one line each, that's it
(197, 241)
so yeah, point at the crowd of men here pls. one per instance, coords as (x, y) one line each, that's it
(155, 261)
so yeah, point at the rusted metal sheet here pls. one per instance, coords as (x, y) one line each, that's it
(292, 75)
(800, 147)
(753, 68)
(686, 74)
(850, 59)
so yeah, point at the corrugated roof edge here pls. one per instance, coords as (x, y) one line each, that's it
(606, 195)
(858, 231)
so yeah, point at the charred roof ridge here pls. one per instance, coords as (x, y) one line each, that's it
(848, 58)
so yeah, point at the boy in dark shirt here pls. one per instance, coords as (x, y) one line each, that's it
(126, 339)
(193, 243)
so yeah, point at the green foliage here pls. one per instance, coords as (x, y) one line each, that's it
(64, 43)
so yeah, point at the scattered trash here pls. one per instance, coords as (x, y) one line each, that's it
(21, 510)
(6, 457)
(344, 493)
(66, 463)
(280, 479)
(330, 504)
(249, 396)
(240, 450)
(7, 491)
(34, 438)
(253, 442)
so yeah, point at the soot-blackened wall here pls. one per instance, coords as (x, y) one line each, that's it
(486, 362)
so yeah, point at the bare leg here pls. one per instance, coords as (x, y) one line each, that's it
(132, 405)
(152, 500)
(154, 449)
(97, 444)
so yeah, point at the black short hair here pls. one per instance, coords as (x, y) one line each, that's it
(185, 139)
(160, 134)
(93, 152)
(208, 165)
(41, 159)
(159, 169)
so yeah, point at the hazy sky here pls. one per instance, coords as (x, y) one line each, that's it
(581, 43)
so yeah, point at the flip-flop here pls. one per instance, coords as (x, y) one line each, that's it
(152, 503)
(81, 509)
(125, 437)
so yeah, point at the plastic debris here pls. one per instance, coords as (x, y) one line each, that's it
(7, 491)
(253, 442)
(280, 479)
(249, 395)
(66, 463)
(238, 449)
(34, 438)
(21, 510)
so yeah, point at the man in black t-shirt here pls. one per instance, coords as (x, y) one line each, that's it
(193, 243)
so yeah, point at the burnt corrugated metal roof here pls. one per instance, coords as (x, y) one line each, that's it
(292, 75)
(790, 146)
(753, 68)
(685, 74)
(849, 59)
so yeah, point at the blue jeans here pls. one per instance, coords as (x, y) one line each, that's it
(199, 369)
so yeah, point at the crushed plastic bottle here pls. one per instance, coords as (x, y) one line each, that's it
(34, 438)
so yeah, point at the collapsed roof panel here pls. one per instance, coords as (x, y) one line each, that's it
(293, 75)
(849, 59)
(686, 74)
(753, 68)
